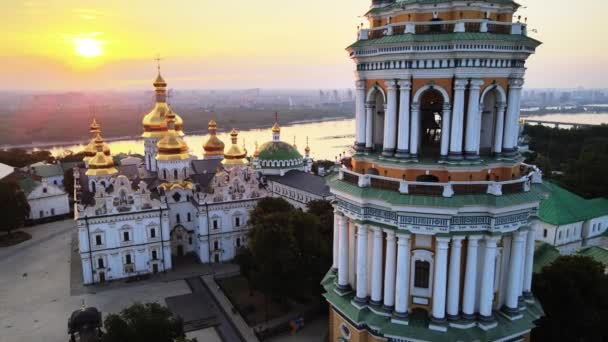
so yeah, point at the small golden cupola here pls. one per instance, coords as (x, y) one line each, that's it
(91, 150)
(171, 146)
(101, 164)
(214, 147)
(307, 149)
(235, 154)
(155, 123)
(256, 153)
(276, 130)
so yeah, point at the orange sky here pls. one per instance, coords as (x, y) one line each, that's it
(243, 44)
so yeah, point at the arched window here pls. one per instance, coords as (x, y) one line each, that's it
(164, 174)
(421, 274)
(93, 187)
(175, 174)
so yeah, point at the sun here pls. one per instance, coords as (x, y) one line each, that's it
(87, 47)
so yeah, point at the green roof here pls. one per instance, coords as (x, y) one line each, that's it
(537, 193)
(28, 185)
(544, 255)
(564, 207)
(48, 170)
(443, 37)
(278, 150)
(597, 253)
(418, 330)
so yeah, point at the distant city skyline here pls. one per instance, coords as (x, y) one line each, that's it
(266, 44)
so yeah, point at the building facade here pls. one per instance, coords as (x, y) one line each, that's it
(143, 217)
(435, 215)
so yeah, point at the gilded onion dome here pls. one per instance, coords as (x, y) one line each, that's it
(171, 146)
(91, 150)
(214, 146)
(235, 154)
(276, 128)
(155, 123)
(307, 148)
(101, 164)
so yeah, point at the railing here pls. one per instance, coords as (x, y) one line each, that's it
(531, 174)
(444, 26)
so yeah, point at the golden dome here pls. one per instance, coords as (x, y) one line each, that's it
(256, 153)
(172, 146)
(214, 146)
(307, 149)
(155, 124)
(101, 164)
(235, 154)
(275, 127)
(91, 149)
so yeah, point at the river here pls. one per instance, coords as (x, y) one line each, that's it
(327, 139)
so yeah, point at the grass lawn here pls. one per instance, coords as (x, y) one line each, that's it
(251, 306)
(13, 239)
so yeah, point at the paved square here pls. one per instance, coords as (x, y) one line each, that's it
(35, 300)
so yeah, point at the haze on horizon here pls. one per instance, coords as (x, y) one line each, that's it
(69, 45)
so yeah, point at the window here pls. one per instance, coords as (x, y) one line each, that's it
(175, 174)
(41, 214)
(216, 245)
(98, 240)
(237, 221)
(128, 259)
(154, 255)
(164, 174)
(238, 242)
(422, 273)
(177, 218)
(559, 236)
(568, 233)
(52, 211)
(100, 263)
(55, 182)
(125, 236)
(215, 224)
(189, 218)
(190, 240)
(545, 232)
(153, 233)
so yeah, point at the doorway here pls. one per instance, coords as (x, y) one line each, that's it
(180, 251)
(102, 277)
(154, 268)
(431, 120)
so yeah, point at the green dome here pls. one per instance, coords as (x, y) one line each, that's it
(278, 151)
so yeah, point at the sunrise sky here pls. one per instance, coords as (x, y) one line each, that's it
(111, 44)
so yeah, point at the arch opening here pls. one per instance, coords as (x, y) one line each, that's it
(431, 119)
(489, 114)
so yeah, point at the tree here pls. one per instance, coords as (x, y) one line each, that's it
(288, 244)
(573, 291)
(149, 322)
(19, 157)
(14, 208)
(327, 164)
(68, 182)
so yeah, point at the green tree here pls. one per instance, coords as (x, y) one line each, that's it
(19, 157)
(14, 208)
(573, 291)
(149, 322)
(68, 182)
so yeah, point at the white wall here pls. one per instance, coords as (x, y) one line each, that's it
(53, 202)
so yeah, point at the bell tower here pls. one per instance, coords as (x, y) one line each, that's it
(434, 216)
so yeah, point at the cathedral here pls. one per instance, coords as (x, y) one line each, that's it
(435, 216)
(138, 217)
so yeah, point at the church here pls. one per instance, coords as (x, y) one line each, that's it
(435, 217)
(139, 217)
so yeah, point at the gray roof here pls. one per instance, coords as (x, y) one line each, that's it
(206, 165)
(48, 170)
(130, 171)
(303, 181)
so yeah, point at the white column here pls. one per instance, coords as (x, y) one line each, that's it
(352, 254)
(403, 143)
(361, 264)
(390, 120)
(454, 278)
(402, 286)
(336, 247)
(369, 116)
(377, 268)
(414, 129)
(522, 265)
(445, 130)
(517, 244)
(511, 122)
(487, 282)
(343, 259)
(529, 264)
(457, 119)
(499, 129)
(470, 278)
(440, 279)
(360, 115)
(389, 271)
(473, 121)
